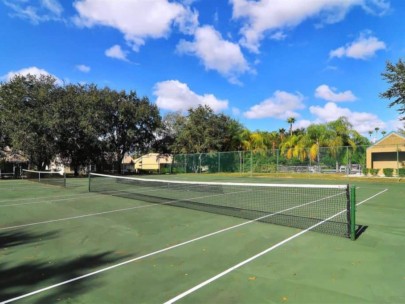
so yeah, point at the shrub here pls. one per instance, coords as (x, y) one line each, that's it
(388, 172)
(401, 172)
(374, 172)
(365, 171)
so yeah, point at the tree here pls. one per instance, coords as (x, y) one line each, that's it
(131, 123)
(317, 136)
(167, 133)
(395, 76)
(281, 133)
(79, 125)
(291, 121)
(376, 131)
(29, 103)
(383, 132)
(204, 131)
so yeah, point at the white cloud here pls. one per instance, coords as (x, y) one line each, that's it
(116, 52)
(216, 53)
(281, 105)
(361, 121)
(174, 95)
(31, 70)
(45, 10)
(268, 16)
(53, 6)
(327, 93)
(278, 36)
(83, 68)
(302, 123)
(235, 111)
(363, 48)
(136, 19)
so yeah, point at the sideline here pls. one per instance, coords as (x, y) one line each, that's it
(176, 246)
(214, 278)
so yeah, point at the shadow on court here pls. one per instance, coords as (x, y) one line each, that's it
(17, 278)
(17, 238)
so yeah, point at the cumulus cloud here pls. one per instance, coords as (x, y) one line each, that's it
(216, 53)
(329, 94)
(363, 48)
(83, 68)
(269, 16)
(137, 20)
(45, 10)
(174, 95)
(281, 105)
(361, 121)
(116, 52)
(28, 71)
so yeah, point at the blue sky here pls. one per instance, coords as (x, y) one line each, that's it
(258, 61)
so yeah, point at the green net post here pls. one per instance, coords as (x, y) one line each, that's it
(89, 181)
(353, 212)
(64, 180)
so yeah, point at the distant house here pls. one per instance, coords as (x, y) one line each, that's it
(12, 162)
(153, 162)
(128, 164)
(388, 152)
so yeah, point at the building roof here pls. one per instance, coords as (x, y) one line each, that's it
(392, 138)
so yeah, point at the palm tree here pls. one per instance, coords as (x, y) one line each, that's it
(281, 133)
(383, 133)
(370, 133)
(291, 121)
(376, 131)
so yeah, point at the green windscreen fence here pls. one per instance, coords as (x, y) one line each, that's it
(337, 160)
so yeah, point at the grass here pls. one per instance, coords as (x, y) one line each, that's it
(60, 234)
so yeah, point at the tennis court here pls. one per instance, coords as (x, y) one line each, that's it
(69, 245)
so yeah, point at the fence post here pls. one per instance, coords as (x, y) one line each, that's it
(251, 163)
(219, 162)
(398, 160)
(277, 160)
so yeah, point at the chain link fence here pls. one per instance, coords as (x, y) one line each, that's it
(345, 160)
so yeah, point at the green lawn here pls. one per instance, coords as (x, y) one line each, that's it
(50, 235)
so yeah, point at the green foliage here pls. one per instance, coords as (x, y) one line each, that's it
(401, 172)
(80, 123)
(365, 171)
(204, 131)
(374, 172)
(395, 76)
(388, 172)
(29, 105)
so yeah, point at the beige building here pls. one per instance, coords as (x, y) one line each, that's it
(153, 162)
(388, 152)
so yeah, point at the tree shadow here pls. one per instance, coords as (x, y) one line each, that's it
(17, 238)
(17, 279)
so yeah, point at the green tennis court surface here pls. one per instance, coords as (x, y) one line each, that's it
(66, 245)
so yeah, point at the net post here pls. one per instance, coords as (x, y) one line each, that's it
(89, 181)
(353, 213)
(64, 180)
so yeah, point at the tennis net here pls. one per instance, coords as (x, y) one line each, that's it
(46, 177)
(329, 207)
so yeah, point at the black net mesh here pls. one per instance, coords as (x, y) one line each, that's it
(299, 206)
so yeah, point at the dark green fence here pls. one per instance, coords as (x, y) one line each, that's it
(341, 160)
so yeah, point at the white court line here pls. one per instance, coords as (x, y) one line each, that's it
(195, 288)
(153, 253)
(50, 200)
(44, 197)
(110, 211)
